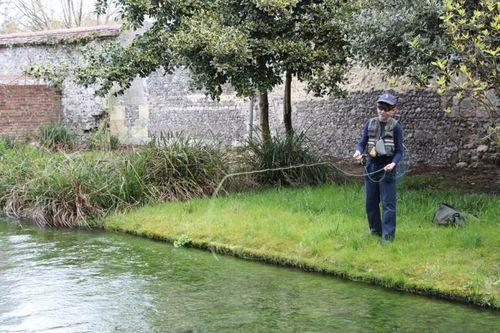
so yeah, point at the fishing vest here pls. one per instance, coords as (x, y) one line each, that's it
(374, 135)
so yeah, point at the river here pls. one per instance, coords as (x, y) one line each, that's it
(77, 281)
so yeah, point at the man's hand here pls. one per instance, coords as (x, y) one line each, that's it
(389, 166)
(357, 155)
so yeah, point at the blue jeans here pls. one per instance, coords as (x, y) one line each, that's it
(381, 186)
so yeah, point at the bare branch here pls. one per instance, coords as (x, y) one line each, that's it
(38, 15)
(34, 13)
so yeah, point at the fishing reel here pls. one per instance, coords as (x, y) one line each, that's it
(362, 160)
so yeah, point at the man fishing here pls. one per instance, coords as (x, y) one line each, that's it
(382, 146)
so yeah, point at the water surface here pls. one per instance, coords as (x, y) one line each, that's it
(74, 281)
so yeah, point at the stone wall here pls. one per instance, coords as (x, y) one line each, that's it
(161, 104)
(334, 126)
(174, 108)
(431, 136)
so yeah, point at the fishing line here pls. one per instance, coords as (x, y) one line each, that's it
(403, 166)
(288, 168)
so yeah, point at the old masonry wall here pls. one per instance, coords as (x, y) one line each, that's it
(164, 103)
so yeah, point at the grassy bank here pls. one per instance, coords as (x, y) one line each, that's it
(324, 229)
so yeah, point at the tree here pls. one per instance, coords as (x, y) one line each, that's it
(35, 15)
(72, 13)
(275, 39)
(452, 44)
(7, 23)
(248, 44)
(314, 49)
(471, 68)
(382, 32)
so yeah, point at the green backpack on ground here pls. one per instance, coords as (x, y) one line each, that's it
(448, 215)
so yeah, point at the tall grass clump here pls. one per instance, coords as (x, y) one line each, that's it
(17, 164)
(70, 191)
(55, 137)
(175, 167)
(61, 189)
(8, 142)
(101, 138)
(285, 151)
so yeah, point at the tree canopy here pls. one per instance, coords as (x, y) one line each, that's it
(382, 32)
(248, 44)
(448, 45)
(253, 45)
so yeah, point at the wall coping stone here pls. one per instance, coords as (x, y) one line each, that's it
(59, 36)
(12, 80)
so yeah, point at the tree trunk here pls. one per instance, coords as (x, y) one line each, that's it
(264, 116)
(250, 120)
(287, 104)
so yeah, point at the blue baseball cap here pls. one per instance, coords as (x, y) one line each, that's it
(388, 99)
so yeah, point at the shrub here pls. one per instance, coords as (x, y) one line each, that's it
(180, 168)
(55, 137)
(284, 151)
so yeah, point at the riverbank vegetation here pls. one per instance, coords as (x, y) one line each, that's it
(56, 186)
(59, 188)
(324, 229)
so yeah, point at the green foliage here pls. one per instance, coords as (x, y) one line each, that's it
(470, 69)
(451, 45)
(183, 240)
(111, 67)
(55, 136)
(215, 53)
(314, 46)
(284, 151)
(282, 7)
(383, 33)
(54, 74)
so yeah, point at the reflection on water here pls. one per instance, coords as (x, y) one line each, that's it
(68, 281)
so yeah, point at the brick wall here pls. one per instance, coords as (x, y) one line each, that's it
(23, 108)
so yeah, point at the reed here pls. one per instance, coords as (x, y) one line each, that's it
(61, 189)
(55, 137)
(283, 151)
